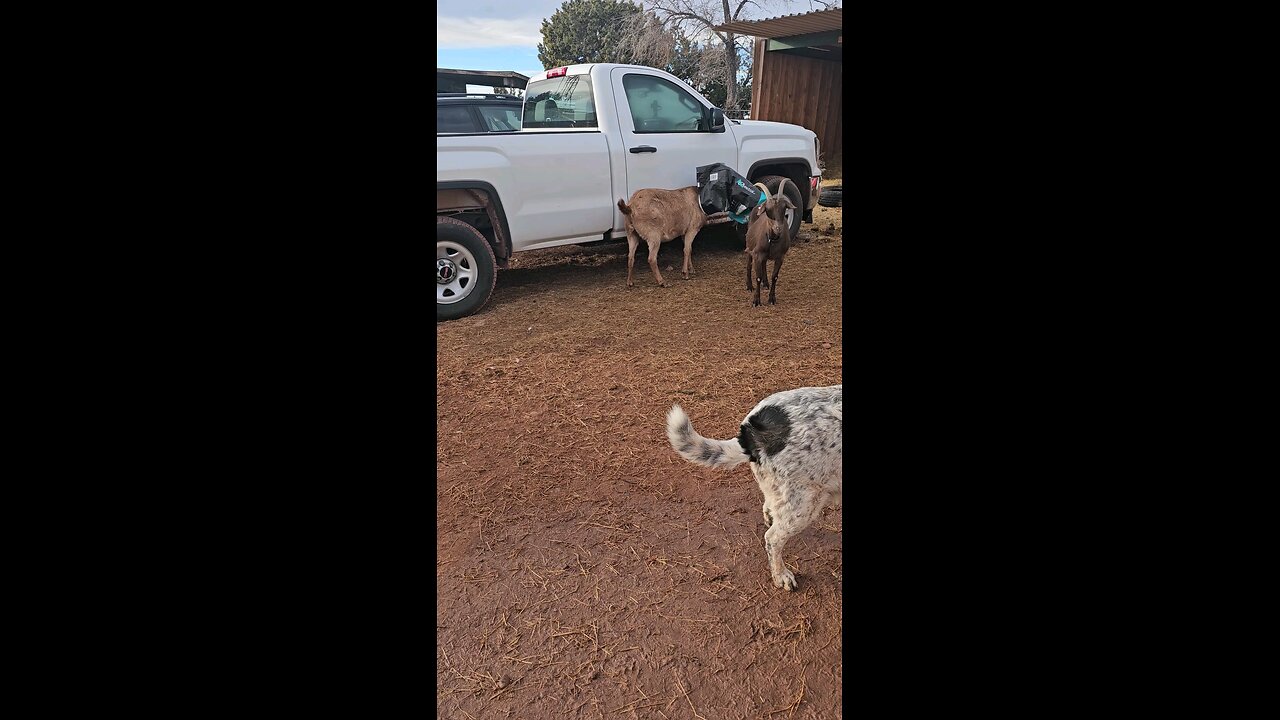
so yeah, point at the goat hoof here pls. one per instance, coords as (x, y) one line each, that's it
(772, 301)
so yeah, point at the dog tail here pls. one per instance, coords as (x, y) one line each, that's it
(622, 205)
(697, 449)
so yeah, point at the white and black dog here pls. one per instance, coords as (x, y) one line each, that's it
(793, 441)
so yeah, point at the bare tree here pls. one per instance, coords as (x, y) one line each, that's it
(700, 17)
(650, 41)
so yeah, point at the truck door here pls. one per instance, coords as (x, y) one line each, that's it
(664, 129)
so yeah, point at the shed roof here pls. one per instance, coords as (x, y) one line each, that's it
(504, 78)
(788, 25)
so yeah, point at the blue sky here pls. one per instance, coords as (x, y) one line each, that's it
(504, 34)
(491, 34)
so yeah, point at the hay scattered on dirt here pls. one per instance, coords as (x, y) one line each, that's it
(585, 570)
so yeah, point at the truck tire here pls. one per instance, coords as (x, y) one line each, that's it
(465, 269)
(793, 193)
(831, 197)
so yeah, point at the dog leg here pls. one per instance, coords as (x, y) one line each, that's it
(768, 516)
(789, 519)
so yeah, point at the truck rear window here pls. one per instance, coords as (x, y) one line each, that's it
(562, 102)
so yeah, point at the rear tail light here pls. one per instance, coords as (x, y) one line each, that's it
(557, 72)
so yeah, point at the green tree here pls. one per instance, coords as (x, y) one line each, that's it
(587, 31)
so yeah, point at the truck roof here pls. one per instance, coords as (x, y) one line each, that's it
(585, 68)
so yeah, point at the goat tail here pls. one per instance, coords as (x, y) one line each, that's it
(622, 205)
(697, 449)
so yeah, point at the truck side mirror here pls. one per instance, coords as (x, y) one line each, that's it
(717, 120)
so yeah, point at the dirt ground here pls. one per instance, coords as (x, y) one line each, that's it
(583, 569)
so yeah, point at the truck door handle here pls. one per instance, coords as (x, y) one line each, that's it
(644, 148)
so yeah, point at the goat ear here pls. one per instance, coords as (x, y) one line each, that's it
(787, 201)
(758, 211)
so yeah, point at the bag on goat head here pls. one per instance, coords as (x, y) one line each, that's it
(720, 189)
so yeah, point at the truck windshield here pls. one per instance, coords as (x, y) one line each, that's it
(562, 102)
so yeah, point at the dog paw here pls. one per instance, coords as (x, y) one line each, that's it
(786, 581)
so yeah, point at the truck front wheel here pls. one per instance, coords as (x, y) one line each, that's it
(465, 269)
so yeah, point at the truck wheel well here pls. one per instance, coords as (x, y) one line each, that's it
(797, 172)
(477, 204)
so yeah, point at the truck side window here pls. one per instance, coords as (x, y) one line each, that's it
(500, 119)
(454, 120)
(659, 105)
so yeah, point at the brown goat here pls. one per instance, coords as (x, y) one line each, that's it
(662, 215)
(768, 238)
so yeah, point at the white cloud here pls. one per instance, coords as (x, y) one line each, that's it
(466, 33)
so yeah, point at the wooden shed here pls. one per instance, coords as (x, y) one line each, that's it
(797, 72)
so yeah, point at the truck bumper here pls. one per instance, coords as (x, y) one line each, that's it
(815, 190)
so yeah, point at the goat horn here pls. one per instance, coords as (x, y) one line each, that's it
(765, 189)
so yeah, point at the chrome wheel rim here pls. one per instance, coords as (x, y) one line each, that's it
(455, 272)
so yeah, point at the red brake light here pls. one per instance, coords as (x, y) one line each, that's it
(557, 72)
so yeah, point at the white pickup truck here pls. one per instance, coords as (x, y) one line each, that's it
(591, 134)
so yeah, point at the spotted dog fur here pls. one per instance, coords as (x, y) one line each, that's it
(793, 441)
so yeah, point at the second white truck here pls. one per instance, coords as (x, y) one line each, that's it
(591, 134)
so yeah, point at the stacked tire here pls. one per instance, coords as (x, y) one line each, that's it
(831, 196)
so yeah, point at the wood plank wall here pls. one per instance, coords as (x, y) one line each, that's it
(799, 90)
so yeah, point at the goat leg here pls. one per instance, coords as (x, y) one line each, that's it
(759, 258)
(653, 261)
(688, 252)
(777, 265)
(750, 262)
(632, 243)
